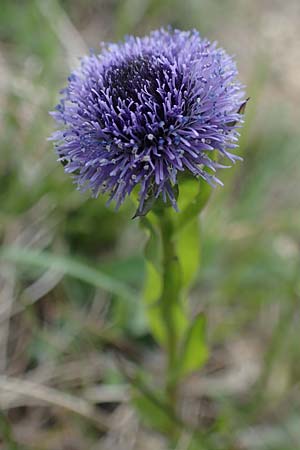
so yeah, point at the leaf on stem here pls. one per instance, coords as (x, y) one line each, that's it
(152, 412)
(193, 196)
(154, 285)
(194, 352)
(188, 249)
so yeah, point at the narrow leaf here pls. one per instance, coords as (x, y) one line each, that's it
(194, 351)
(154, 286)
(68, 266)
(194, 204)
(188, 248)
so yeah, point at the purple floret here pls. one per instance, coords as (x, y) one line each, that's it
(146, 109)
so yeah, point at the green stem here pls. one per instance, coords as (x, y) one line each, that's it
(169, 295)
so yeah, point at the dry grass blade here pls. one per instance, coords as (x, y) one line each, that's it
(7, 300)
(24, 388)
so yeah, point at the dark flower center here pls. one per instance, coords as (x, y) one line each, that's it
(129, 78)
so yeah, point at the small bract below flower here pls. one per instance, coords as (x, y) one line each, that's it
(146, 109)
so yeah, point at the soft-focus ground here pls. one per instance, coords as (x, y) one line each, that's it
(63, 327)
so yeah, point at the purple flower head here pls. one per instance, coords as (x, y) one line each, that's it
(146, 109)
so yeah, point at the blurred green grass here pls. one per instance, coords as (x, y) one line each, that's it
(249, 281)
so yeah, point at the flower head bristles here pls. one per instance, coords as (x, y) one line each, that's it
(146, 109)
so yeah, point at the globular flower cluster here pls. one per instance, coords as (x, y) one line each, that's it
(146, 109)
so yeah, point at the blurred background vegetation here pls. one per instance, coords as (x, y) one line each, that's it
(69, 294)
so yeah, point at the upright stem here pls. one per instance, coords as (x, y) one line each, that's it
(170, 294)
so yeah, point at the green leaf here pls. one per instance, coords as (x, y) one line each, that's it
(153, 245)
(153, 203)
(68, 266)
(188, 250)
(189, 188)
(153, 281)
(194, 352)
(152, 293)
(154, 286)
(148, 206)
(193, 196)
(151, 412)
